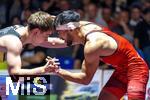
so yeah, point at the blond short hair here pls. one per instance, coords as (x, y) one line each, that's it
(41, 20)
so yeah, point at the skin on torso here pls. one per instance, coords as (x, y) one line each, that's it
(7, 40)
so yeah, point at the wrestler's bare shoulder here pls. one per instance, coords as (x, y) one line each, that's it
(10, 42)
(104, 44)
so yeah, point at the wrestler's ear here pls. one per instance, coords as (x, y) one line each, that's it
(36, 31)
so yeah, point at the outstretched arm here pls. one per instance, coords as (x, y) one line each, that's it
(14, 48)
(84, 77)
(89, 67)
(14, 63)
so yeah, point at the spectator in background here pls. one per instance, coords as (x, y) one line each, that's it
(25, 15)
(86, 2)
(94, 14)
(49, 6)
(107, 16)
(135, 16)
(122, 25)
(64, 5)
(46, 5)
(27, 8)
(142, 34)
(26, 4)
(109, 3)
(15, 9)
(146, 4)
(15, 20)
(55, 7)
(82, 13)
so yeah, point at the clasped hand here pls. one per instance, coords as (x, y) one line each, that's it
(52, 65)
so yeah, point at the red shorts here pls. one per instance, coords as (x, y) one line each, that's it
(132, 81)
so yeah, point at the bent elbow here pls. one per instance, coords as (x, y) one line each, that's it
(86, 81)
(13, 72)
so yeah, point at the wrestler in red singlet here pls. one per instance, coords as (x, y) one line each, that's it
(131, 71)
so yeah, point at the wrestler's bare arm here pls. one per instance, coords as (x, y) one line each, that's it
(89, 66)
(54, 42)
(14, 47)
(95, 46)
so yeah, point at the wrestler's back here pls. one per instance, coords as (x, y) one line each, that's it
(125, 55)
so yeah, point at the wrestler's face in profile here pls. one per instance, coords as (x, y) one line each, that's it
(67, 36)
(40, 36)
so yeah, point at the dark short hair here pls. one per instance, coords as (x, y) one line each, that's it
(66, 17)
(136, 7)
(41, 20)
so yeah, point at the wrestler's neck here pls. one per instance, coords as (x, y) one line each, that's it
(82, 31)
(78, 37)
(24, 33)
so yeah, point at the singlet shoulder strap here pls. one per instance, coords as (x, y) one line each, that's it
(103, 28)
(86, 24)
(14, 28)
(17, 26)
(91, 32)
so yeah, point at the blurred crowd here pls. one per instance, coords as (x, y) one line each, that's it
(128, 18)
